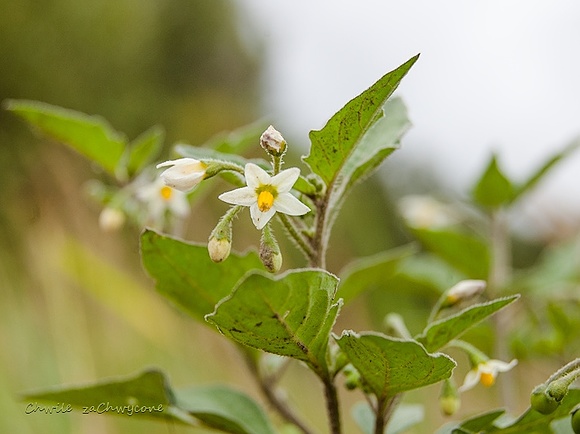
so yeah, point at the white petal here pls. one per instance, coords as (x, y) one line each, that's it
(256, 176)
(180, 181)
(471, 380)
(290, 205)
(179, 162)
(284, 180)
(244, 196)
(259, 218)
(499, 366)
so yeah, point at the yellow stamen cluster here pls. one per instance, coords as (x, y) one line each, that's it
(487, 379)
(166, 192)
(265, 200)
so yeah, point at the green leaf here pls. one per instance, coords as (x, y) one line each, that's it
(481, 422)
(187, 276)
(390, 366)
(342, 140)
(371, 271)
(466, 253)
(440, 333)
(539, 174)
(91, 136)
(494, 188)
(404, 417)
(289, 315)
(144, 149)
(224, 409)
(118, 396)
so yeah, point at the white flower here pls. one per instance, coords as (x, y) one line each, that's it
(464, 290)
(159, 197)
(183, 174)
(486, 373)
(265, 194)
(426, 212)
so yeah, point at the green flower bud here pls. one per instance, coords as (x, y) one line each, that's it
(270, 251)
(449, 401)
(542, 401)
(352, 378)
(575, 420)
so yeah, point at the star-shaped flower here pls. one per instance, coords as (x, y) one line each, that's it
(266, 195)
(486, 373)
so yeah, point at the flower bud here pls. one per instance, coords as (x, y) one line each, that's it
(576, 419)
(273, 142)
(270, 251)
(111, 219)
(449, 401)
(352, 378)
(219, 249)
(220, 240)
(463, 291)
(542, 401)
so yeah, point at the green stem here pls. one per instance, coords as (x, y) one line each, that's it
(320, 240)
(267, 386)
(574, 365)
(299, 238)
(499, 275)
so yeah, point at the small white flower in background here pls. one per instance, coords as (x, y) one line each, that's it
(184, 173)
(159, 198)
(266, 195)
(485, 373)
(426, 212)
(464, 290)
(111, 219)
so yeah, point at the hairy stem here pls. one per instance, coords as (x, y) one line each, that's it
(332, 406)
(298, 238)
(320, 240)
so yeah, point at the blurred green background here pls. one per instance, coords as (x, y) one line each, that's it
(76, 305)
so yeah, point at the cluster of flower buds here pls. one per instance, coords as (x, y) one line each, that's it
(265, 195)
(547, 397)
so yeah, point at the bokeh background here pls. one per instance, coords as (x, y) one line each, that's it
(76, 305)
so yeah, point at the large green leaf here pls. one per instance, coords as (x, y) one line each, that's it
(440, 333)
(376, 270)
(390, 366)
(341, 147)
(289, 315)
(145, 395)
(224, 409)
(92, 136)
(187, 276)
(493, 188)
(467, 253)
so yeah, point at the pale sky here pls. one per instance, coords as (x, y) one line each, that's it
(494, 75)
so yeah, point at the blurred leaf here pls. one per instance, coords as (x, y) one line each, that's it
(467, 253)
(239, 140)
(404, 417)
(91, 136)
(148, 389)
(493, 189)
(390, 366)
(545, 168)
(144, 149)
(200, 153)
(440, 333)
(375, 270)
(187, 276)
(481, 422)
(289, 315)
(224, 409)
